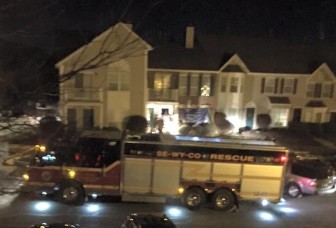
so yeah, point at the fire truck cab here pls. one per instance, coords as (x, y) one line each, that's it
(151, 168)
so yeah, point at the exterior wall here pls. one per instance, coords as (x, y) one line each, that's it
(232, 103)
(109, 107)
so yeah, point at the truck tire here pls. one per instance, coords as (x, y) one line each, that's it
(71, 192)
(293, 190)
(222, 200)
(193, 198)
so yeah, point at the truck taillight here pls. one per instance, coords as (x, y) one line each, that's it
(283, 159)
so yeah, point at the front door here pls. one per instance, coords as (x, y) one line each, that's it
(88, 118)
(297, 115)
(72, 119)
(250, 117)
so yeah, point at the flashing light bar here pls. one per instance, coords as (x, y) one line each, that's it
(222, 140)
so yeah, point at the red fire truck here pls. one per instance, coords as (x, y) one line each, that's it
(151, 168)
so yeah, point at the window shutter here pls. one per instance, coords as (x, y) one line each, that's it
(212, 84)
(150, 80)
(262, 85)
(282, 82)
(188, 84)
(295, 85)
(174, 81)
(276, 85)
(199, 85)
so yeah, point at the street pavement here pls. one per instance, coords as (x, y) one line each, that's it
(10, 178)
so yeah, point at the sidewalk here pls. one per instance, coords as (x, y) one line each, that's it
(10, 175)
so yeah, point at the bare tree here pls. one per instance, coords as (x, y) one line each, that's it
(33, 23)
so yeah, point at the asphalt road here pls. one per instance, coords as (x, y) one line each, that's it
(309, 211)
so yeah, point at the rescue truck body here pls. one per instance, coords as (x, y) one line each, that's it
(141, 169)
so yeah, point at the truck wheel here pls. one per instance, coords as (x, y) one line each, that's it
(71, 193)
(222, 200)
(293, 190)
(193, 198)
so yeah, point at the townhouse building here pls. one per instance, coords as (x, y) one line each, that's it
(119, 74)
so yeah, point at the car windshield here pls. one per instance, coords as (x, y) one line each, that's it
(313, 169)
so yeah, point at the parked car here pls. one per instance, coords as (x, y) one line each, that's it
(147, 220)
(55, 225)
(309, 176)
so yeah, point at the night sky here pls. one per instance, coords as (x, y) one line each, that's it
(35, 34)
(35, 21)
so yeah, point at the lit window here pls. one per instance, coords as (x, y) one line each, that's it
(279, 117)
(205, 88)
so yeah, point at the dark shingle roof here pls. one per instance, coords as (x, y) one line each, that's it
(174, 56)
(259, 54)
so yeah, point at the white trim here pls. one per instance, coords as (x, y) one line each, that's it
(182, 70)
(232, 60)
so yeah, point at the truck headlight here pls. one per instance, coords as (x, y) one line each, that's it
(25, 176)
(181, 190)
(71, 173)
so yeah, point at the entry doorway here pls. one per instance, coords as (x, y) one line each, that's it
(297, 115)
(250, 117)
(72, 119)
(88, 120)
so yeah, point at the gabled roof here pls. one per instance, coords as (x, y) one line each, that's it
(102, 39)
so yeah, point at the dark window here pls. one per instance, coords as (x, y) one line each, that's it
(318, 90)
(79, 80)
(88, 119)
(313, 169)
(262, 85)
